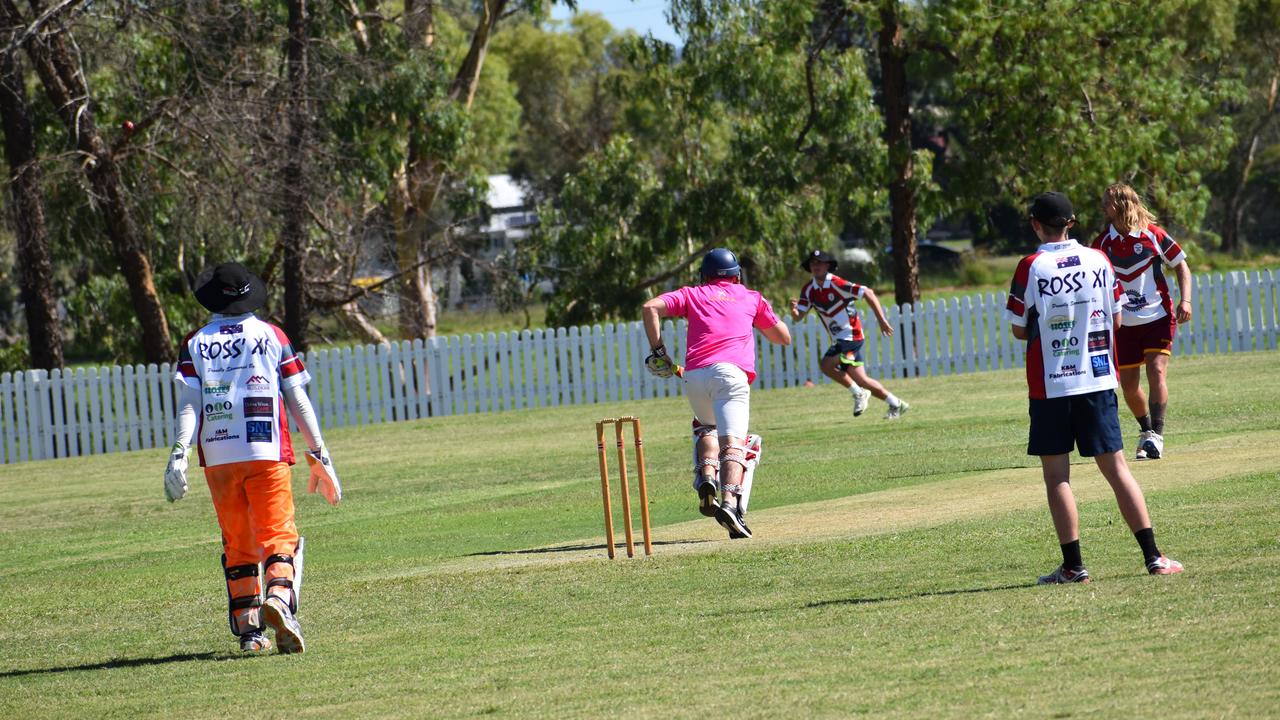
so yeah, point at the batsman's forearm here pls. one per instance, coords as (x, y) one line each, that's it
(652, 325)
(188, 415)
(305, 415)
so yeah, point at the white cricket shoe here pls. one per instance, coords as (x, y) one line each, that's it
(1142, 451)
(861, 396)
(1154, 445)
(897, 411)
(277, 615)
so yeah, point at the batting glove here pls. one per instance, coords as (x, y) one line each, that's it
(659, 364)
(175, 475)
(324, 479)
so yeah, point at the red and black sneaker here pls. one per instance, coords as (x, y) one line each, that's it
(1062, 576)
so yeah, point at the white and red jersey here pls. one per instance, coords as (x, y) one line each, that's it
(240, 364)
(833, 299)
(1066, 295)
(1139, 259)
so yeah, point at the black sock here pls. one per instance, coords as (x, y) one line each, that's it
(1147, 541)
(1144, 423)
(1071, 555)
(1157, 417)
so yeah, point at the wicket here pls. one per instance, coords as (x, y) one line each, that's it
(622, 480)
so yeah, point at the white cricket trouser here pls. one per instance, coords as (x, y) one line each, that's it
(720, 395)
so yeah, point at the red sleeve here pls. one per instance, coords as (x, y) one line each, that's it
(1169, 249)
(186, 366)
(1017, 304)
(290, 363)
(804, 304)
(848, 290)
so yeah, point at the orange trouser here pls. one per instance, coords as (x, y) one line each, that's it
(254, 503)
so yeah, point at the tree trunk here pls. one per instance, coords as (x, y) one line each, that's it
(424, 176)
(897, 116)
(44, 330)
(354, 319)
(1240, 169)
(294, 230)
(61, 78)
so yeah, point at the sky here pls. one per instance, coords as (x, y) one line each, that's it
(643, 16)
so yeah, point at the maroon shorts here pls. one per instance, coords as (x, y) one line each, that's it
(1133, 342)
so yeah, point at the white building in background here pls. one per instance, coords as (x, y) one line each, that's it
(509, 217)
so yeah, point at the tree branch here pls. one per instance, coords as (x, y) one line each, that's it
(34, 26)
(814, 52)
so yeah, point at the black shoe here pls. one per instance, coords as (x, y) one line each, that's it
(734, 534)
(731, 521)
(707, 503)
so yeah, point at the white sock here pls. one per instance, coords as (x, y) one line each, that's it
(855, 390)
(892, 399)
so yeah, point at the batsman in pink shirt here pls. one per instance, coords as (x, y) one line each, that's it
(720, 364)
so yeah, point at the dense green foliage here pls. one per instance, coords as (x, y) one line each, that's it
(464, 574)
(763, 131)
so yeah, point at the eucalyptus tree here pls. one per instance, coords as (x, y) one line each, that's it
(35, 267)
(46, 35)
(729, 142)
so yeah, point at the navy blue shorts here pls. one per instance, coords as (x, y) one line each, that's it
(1089, 421)
(849, 352)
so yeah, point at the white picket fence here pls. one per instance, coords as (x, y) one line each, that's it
(103, 410)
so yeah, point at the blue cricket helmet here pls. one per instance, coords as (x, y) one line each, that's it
(720, 263)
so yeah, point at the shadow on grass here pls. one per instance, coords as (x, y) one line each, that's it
(914, 596)
(578, 548)
(127, 663)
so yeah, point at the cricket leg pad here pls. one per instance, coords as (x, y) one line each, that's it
(244, 598)
(279, 570)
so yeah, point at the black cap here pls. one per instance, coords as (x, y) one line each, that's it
(230, 289)
(821, 256)
(1052, 209)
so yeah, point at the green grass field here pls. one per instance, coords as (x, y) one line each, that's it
(464, 574)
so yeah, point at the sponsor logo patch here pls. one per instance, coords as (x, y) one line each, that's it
(1066, 372)
(218, 410)
(1069, 283)
(1135, 300)
(1097, 318)
(258, 407)
(1101, 365)
(227, 349)
(1066, 347)
(1099, 340)
(258, 431)
(257, 383)
(216, 387)
(1061, 322)
(220, 435)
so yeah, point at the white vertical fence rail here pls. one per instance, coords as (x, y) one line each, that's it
(69, 413)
